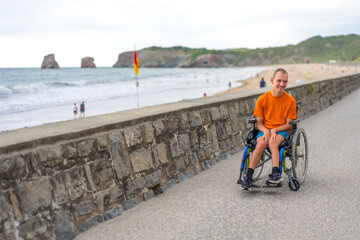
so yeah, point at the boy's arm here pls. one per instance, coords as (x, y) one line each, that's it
(261, 127)
(285, 127)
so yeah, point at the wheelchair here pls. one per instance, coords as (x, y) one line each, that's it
(293, 156)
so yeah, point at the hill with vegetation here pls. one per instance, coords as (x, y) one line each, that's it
(342, 48)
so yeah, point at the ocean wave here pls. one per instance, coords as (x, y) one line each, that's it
(68, 84)
(29, 88)
(4, 91)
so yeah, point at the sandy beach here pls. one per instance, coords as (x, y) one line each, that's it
(297, 73)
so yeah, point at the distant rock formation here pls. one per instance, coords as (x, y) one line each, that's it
(49, 62)
(152, 58)
(87, 62)
(207, 60)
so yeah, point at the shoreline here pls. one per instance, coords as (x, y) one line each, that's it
(297, 73)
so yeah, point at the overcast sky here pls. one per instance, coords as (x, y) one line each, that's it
(73, 29)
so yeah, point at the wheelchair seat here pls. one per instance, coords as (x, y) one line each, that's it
(251, 139)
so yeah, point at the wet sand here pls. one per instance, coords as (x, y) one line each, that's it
(297, 73)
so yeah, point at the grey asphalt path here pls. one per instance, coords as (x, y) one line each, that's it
(212, 206)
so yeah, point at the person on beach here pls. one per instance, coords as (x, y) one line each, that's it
(273, 110)
(82, 109)
(262, 83)
(75, 110)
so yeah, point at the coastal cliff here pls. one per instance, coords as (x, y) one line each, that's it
(49, 62)
(88, 62)
(343, 48)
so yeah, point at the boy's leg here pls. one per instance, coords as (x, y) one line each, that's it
(259, 149)
(275, 176)
(274, 149)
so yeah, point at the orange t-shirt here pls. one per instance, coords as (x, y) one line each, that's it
(275, 110)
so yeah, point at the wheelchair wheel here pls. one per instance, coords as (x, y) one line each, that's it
(258, 170)
(299, 155)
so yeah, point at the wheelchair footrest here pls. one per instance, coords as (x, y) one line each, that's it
(272, 185)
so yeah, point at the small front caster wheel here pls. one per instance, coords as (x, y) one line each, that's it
(294, 185)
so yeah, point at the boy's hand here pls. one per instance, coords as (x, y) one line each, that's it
(266, 136)
(272, 136)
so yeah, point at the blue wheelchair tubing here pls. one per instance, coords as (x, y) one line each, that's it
(244, 157)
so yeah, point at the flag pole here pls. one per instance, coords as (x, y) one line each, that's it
(137, 91)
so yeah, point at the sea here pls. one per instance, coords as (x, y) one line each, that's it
(34, 96)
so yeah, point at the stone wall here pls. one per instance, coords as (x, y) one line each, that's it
(60, 189)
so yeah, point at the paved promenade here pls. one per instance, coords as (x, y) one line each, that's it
(212, 206)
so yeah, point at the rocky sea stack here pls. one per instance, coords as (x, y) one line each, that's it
(87, 62)
(49, 62)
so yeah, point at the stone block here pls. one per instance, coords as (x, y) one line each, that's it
(184, 143)
(165, 187)
(4, 208)
(208, 151)
(194, 161)
(133, 136)
(221, 131)
(201, 154)
(89, 177)
(228, 128)
(70, 184)
(141, 160)
(185, 176)
(102, 174)
(35, 195)
(69, 151)
(159, 127)
(85, 148)
(214, 138)
(131, 203)
(172, 124)
(183, 121)
(160, 154)
(116, 192)
(49, 156)
(64, 227)
(215, 113)
(205, 116)
(174, 148)
(119, 155)
(180, 164)
(117, 211)
(205, 165)
(194, 139)
(224, 114)
(84, 226)
(148, 195)
(102, 143)
(234, 120)
(194, 118)
(12, 167)
(34, 229)
(153, 179)
(15, 205)
(149, 132)
(82, 208)
(134, 185)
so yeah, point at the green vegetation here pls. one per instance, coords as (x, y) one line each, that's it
(311, 88)
(342, 48)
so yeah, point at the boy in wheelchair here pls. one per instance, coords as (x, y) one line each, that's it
(273, 110)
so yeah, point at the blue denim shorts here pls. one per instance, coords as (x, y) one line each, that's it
(284, 134)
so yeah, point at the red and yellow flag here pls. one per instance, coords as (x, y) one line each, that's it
(136, 64)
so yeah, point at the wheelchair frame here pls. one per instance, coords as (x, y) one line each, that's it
(293, 148)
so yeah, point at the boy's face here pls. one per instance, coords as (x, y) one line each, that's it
(279, 83)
